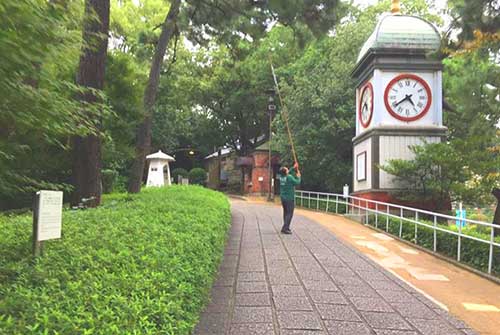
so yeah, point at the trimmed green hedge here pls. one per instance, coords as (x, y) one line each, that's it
(139, 264)
(179, 172)
(197, 176)
(473, 253)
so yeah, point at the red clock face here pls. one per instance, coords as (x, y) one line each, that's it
(365, 108)
(407, 97)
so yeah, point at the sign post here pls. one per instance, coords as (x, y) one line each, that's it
(461, 214)
(345, 191)
(47, 218)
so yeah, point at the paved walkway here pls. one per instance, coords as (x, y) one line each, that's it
(310, 283)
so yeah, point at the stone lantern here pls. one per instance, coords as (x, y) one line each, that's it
(157, 163)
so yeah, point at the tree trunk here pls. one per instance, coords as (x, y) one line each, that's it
(143, 144)
(87, 150)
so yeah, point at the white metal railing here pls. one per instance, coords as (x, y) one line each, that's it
(365, 207)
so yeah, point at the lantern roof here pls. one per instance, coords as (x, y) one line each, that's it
(161, 156)
(405, 32)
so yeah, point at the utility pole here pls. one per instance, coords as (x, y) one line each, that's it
(219, 168)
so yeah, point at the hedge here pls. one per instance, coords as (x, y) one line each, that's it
(472, 253)
(179, 172)
(139, 264)
(197, 176)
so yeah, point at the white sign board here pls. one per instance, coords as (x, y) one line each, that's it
(49, 215)
(346, 191)
(185, 181)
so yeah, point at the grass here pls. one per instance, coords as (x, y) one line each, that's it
(139, 264)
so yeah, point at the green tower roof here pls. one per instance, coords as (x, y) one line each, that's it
(402, 32)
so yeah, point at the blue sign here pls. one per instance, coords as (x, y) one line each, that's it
(460, 215)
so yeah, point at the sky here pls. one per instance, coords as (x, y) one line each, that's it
(438, 5)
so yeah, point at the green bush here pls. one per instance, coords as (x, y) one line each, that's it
(197, 176)
(179, 172)
(109, 178)
(139, 264)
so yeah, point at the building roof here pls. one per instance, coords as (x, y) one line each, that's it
(223, 152)
(161, 155)
(265, 147)
(396, 31)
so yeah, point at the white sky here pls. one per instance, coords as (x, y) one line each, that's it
(439, 5)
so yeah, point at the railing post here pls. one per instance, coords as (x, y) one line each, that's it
(301, 199)
(490, 260)
(309, 203)
(400, 222)
(347, 203)
(336, 204)
(366, 212)
(387, 218)
(327, 202)
(317, 201)
(376, 215)
(416, 227)
(435, 233)
(459, 246)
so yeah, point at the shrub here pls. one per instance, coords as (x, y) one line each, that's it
(179, 172)
(197, 176)
(139, 264)
(109, 178)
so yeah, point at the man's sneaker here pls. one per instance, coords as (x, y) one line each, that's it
(286, 231)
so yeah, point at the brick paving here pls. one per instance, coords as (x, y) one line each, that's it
(310, 283)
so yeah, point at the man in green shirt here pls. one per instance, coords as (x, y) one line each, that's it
(288, 181)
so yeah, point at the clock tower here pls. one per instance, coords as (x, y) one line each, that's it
(398, 100)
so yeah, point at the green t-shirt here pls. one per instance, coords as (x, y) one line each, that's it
(287, 185)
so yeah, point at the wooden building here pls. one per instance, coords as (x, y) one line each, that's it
(247, 175)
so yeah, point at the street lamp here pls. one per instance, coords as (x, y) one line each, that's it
(271, 109)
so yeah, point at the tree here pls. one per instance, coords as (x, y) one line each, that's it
(229, 22)
(437, 173)
(87, 150)
(37, 89)
(320, 96)
(144, 131)
(469, 16)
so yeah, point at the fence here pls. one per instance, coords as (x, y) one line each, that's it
(471, 242)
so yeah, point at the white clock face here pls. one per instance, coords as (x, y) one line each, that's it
(366, 105)
(407, 97)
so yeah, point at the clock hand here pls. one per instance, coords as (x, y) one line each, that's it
(401, 101)
(409, 99)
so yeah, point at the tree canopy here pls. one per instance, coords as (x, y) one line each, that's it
(213, 82)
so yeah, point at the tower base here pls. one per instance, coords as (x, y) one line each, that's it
(390, 197)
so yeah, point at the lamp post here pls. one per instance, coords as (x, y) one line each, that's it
(188, 156)
(271, 109)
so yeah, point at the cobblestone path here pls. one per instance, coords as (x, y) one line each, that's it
(310, 283)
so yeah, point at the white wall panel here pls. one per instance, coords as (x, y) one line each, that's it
(366, 145)
(398, 147)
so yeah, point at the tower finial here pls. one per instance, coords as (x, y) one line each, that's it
(395, 9)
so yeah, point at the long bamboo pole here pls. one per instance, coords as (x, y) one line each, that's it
(285, 111)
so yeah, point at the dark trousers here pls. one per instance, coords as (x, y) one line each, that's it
(288, 207)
